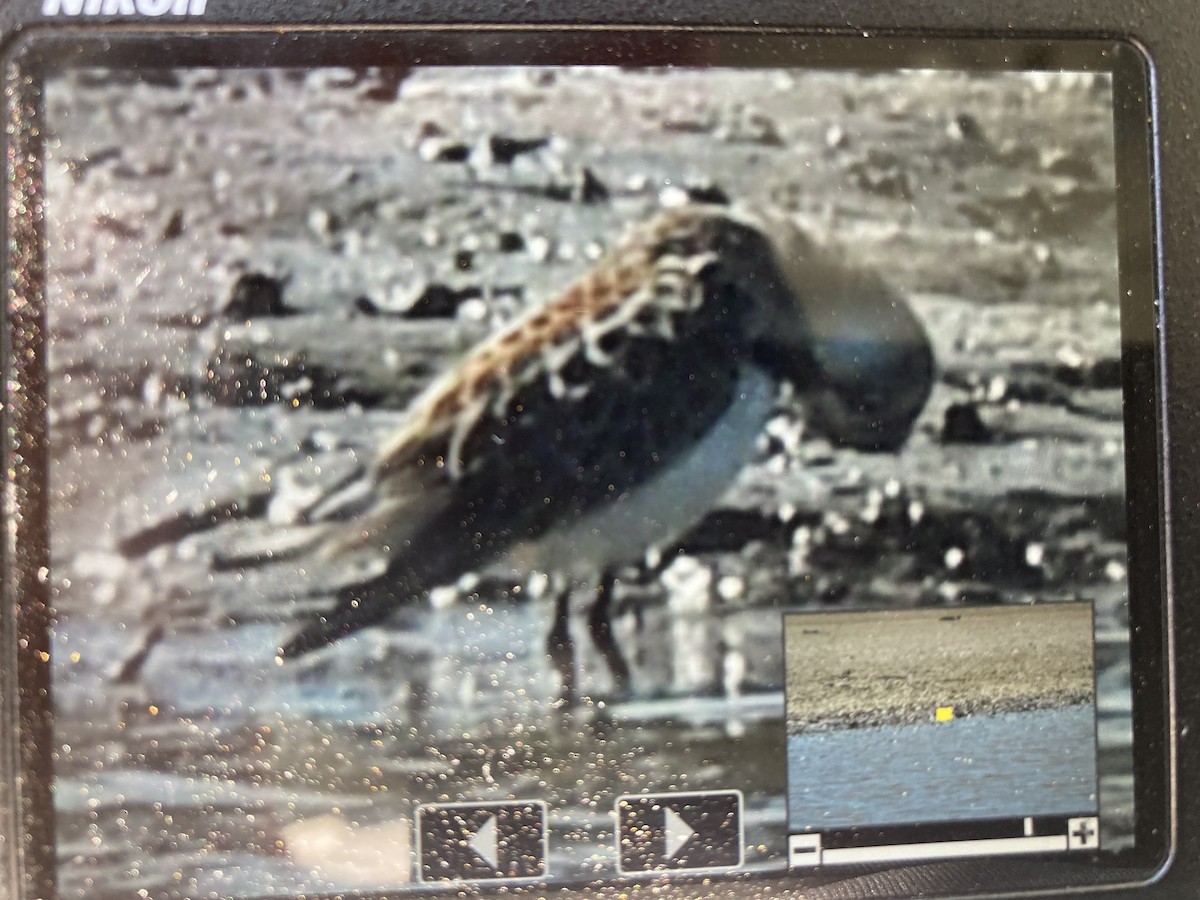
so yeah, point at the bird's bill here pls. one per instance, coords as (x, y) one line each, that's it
(863, 426)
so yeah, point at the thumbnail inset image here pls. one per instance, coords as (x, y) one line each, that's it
(935, 716)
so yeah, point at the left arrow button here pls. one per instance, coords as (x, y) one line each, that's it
(482, 841)
(486, 842)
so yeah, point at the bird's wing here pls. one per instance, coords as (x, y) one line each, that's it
(566, 410)
(627, 367)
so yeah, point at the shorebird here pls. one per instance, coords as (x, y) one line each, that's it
(612, 418)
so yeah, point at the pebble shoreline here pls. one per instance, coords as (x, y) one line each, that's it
(854, 670)
(918, 715)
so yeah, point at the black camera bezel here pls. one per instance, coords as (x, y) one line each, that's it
(244, 44)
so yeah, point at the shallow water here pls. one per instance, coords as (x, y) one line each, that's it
(1011, 765)
(225, 774)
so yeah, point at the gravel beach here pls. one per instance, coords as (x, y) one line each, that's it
(899, 666)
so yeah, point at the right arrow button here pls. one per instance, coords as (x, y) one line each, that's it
(678, 833)
(666, 832)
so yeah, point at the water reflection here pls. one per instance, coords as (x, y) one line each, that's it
(1010, 765)
(225, 772)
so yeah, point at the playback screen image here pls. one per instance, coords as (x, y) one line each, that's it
(551, 475)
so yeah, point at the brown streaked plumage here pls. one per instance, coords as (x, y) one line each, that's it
(614, 416)
(495, 363)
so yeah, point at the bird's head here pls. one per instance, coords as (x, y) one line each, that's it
(847, 340)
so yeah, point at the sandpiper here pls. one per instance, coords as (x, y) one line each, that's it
(612, 418)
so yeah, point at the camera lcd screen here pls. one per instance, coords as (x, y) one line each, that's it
(478, 469)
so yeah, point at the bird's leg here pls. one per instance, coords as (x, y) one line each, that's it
(600, 625)
(559, 645)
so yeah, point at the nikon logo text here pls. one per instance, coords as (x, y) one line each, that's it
(123, 7)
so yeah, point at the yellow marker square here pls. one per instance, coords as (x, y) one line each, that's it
(944, 714)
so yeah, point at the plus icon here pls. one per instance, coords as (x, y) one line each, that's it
(1082, 833)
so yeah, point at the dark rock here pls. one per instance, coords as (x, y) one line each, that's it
(588, 188)
(831, 592)
(428, 129)
(174, 227)
(503, 150)
(1071, 375)
(365, 306)
(443, 151)
(255, 294)
(962, 425)
(708, 193)
(579, 186)
(464, 259)
(966, 127)
(510, 242)
(437, 301)
(1097, 373)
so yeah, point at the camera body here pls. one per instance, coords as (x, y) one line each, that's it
(330, 275)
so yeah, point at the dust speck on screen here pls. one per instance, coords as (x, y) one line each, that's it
(557, 475)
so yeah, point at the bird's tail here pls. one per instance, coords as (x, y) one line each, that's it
(357, 607)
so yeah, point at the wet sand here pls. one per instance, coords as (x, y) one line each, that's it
(849, 670)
